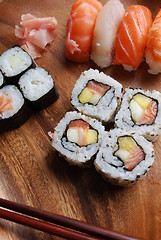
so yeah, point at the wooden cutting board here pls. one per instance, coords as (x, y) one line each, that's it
(31, 171)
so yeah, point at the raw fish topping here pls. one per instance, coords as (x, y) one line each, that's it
(132, 36)
(129, 152)
(79, 132)
(35, 33)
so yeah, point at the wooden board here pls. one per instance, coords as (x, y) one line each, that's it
(31, 171)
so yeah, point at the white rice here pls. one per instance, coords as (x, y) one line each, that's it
(123, 118)
(1, 79)
(107, 105)
(73, 153)
(17, 100)
(112, 168)
(35, 83)
(15, 52)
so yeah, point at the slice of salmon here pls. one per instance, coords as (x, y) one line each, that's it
(154, 40)
(132, 36)
(136, 156)
(96, 87)
(5, 103)
(149, 114)
(80, 28)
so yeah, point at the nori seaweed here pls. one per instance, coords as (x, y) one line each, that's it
(16, 120)
(45, 101)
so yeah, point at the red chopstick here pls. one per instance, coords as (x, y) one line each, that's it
(55, 224)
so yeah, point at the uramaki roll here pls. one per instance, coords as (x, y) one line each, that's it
(141, 112)
(78, 138)
(124, 157)
(97, 95)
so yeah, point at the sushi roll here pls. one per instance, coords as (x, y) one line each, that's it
(124, 157)
(1, 79)
(132, 37)
(38, 88)
(13, 109)
(77, 138)
(141, 111)
(13, 63)
(80, 28)
(97, 95)
(104, 35)
(153, 48)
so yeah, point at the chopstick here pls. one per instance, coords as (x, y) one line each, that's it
(55, 224)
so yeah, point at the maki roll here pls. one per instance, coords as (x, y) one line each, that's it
(13, 110)
(38, 88)
(141, 112)
(1, 79)
(78, 138)
(97, 95)
(13, 63)
(124, 157)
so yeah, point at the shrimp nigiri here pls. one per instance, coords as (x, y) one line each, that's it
(132, 37)
(80, 29)
(104, 34)
(153, 49)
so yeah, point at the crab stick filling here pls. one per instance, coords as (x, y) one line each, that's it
(129, 152)
(93, 92)
(143, 109)
(79, 132)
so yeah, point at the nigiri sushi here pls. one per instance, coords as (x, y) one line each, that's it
(104, 35)
(153, 48)
(80, 27)
(132, 37)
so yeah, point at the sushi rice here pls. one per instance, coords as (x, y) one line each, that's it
(1, 79)
(112, 168)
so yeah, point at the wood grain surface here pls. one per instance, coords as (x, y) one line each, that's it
(31, 171)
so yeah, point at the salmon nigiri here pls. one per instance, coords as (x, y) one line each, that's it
(132, 37)
(80, 28)
(153, 49)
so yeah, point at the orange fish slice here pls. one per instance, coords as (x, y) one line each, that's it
(132, 37)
